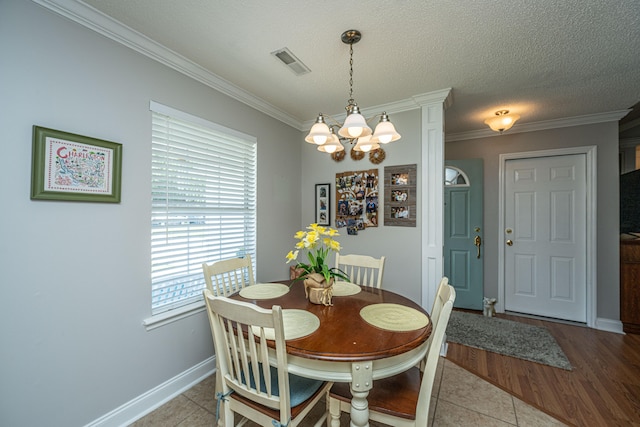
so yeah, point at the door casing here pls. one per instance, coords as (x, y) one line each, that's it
(591, 222)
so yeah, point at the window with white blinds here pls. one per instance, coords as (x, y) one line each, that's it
(203, 202)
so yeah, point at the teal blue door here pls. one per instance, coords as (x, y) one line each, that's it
(463, 245)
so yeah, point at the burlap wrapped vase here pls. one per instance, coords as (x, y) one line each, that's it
(317, 289)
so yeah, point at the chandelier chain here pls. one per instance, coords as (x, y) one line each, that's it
(350, 72)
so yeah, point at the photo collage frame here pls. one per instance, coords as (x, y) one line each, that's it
(357, 202)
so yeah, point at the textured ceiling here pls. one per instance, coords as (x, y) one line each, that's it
(543, 59)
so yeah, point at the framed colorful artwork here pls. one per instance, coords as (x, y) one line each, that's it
(323, 204)
(67, 166)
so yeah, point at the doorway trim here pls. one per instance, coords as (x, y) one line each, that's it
(591, 222)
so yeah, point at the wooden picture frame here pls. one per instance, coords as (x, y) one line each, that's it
(66, 166)
(400, 195)
(323, 204)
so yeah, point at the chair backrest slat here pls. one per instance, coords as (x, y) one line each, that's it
(228, 276)
(232, 351)
(362, 270)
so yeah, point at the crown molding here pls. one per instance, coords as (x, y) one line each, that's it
(413, 103)
(95, 20)
(587, 119)
(389, 108)
(443, 95)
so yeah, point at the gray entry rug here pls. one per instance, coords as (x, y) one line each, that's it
(506, 337)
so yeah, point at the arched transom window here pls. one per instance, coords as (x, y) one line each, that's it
(454, 177)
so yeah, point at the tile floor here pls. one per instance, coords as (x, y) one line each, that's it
(459, 399)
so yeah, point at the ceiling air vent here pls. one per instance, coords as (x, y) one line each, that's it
(291, 61)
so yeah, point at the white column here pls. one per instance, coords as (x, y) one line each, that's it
(431, 192)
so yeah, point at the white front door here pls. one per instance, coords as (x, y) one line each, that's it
(545, 231)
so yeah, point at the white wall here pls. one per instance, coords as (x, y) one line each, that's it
(75, 276)
(605, 137)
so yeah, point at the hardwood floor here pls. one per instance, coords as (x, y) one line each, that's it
(603, 389)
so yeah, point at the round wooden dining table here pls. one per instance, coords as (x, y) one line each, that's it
(347, 348)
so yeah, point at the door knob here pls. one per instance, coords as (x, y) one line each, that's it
(477, 241)
(509, 242)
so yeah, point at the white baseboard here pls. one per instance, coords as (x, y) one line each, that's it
(601, 324)
(609, 325)
(156, 397)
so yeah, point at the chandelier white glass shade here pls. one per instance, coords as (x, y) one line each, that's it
(366, 144)
(385, 131)
(355, 126)
(331, 145)
(502, 121)
(319, 132)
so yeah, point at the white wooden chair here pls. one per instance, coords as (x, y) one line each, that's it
(362, 270)
(437, 303)
(403, 400)
(253, 385)
(228, 276)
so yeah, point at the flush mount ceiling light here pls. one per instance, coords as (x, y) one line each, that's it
(355, 127)
(502, 121)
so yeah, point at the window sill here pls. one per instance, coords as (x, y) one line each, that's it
(174, 315)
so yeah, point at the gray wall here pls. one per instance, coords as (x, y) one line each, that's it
(76, 276)
(605, 137)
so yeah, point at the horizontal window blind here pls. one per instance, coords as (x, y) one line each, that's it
(203, 205)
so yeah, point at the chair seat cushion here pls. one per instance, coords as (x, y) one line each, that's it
(396, 395)
(300, 388)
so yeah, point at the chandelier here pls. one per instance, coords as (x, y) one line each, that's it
(355, 128)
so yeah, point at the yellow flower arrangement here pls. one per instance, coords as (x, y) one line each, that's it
(319, 242)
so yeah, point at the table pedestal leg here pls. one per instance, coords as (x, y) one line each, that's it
(359, 408)
(362, 382)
